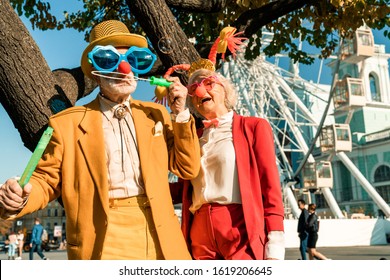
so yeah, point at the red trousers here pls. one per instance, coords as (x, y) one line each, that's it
(218, 233)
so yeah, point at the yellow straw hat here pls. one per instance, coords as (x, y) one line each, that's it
(110, 32)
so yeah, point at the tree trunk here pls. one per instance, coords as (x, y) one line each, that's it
(26, 82)
(29, 91)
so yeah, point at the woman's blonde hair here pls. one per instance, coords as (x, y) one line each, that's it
(230, 91)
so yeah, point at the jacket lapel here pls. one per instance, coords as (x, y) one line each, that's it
(242, 154)
(93, 147)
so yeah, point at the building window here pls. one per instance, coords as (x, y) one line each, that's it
(346, 192)
(374, 88)
(382, 182)
(382, 174)
(320, 201)
(384, 192)
(48, 212)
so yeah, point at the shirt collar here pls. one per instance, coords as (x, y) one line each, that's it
(224, 119)
(228, 117)
(108, 107)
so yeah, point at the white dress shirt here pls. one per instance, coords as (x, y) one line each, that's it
(123, 162)
(124, 174)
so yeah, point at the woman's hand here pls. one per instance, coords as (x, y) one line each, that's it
(177, 95)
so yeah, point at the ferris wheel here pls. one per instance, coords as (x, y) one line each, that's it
(298, 112)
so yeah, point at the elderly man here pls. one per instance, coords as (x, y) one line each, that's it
(109, 159)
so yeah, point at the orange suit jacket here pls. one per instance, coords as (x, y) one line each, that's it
(74, 166)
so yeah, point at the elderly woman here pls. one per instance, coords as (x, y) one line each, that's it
(233, 209)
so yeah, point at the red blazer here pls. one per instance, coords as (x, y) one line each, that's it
(258, 179)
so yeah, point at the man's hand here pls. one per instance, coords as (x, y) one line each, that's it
(12, 196)
(177, 95)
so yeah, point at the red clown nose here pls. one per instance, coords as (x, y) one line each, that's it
(124, 67)
(200, 91)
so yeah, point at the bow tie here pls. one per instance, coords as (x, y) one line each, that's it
(209, 123)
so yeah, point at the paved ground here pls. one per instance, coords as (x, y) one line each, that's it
(334, 253)
(347, 253)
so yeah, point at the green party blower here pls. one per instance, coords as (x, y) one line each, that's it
(159, 82)
(36, 156)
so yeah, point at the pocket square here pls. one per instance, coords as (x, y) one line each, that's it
(158, 128)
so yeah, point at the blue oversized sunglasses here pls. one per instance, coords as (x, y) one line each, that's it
(107, 58)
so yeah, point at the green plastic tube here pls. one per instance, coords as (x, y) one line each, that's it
(36, 156)
(159, 82)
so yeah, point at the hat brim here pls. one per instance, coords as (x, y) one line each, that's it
(117, 40)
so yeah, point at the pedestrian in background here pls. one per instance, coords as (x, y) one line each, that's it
(12, 244)
(36, 240)
(302, 231)
(312, 229)
(20, 238)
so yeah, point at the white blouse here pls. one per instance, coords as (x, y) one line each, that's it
(217, 181)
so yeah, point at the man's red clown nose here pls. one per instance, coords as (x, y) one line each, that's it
(124, 67)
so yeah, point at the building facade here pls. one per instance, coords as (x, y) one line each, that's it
(369, 124)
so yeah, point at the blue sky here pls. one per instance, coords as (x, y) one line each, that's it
(63, 49)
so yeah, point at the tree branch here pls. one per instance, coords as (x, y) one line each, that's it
(212, 6)
(72, 84)
(253, 20)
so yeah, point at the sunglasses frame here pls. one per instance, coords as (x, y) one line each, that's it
(122, 56)
(217, 81)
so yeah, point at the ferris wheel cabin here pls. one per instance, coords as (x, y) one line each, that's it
(348, 92)
(317, 175)
(359, 48)
(336, 137)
